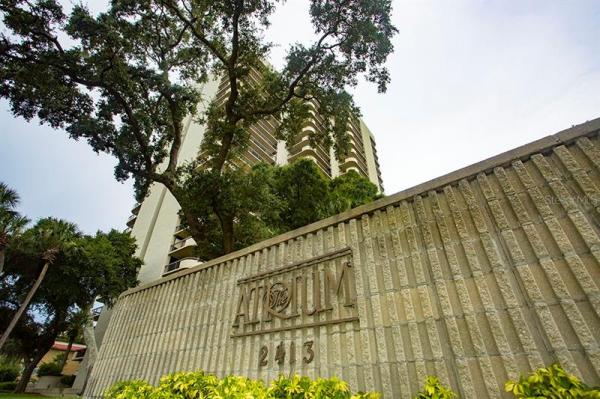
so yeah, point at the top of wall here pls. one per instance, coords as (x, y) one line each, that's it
(504, 159)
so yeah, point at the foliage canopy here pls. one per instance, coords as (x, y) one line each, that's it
(85, 268)
(11, 222)
(125, 79)
(267, 200)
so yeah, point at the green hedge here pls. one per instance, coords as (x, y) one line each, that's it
(197, 385)
(8, 373)
(9, 368)
(550, 382)
(8, 386)
(52, 368)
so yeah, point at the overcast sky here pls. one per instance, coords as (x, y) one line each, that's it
(470, 79)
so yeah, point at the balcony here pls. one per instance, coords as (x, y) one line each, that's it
(96, 312)
(184, 263)
(181, 231)
(351, 163)
(131, 220)
(183, 248)
(136, 208)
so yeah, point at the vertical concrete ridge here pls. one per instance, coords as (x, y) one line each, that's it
(478, 279)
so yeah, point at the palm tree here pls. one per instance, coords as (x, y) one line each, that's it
(48, 257)
(11, 223)
(47, 240)
(77, 323)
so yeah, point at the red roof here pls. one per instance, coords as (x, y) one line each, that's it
(62, 346)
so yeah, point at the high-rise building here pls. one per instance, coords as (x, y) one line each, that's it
(479, 275)
(166, 247)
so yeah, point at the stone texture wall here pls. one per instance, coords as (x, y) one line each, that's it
(476, 277)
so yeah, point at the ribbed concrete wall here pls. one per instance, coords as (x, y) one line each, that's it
(476, 277)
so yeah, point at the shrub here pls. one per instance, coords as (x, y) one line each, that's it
(298, 387)
(551, 382)
(130, 390)
(195, 385)
(9, 369)
(8, 386)
(67, 380)
(188, 385)
(434, 389)
(51, 368)
(8, 373)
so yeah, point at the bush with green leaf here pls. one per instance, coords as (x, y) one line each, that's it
(8, 386)
(51, 369)
(9, 368)
(551, 382)
(186, 385)
(134, 389)
(198, 385)
(435, 390)
(297, 387)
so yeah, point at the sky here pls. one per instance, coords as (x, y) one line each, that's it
(470, 79)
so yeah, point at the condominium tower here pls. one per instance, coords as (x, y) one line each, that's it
(166, 247)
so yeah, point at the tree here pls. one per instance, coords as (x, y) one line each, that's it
(11, 223)
(76, 324)
(304, 190)
(306, 195)
(267, 200)
(50, 238)
(124, 80)
(85, 268)
(48, 260)
(349, 191)
(238, 203)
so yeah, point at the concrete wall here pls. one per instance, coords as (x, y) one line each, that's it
(476, 276)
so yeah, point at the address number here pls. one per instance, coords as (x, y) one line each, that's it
(308, 354)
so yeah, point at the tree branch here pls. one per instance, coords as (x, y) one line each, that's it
(176, 130)
(292, 87)
(190, 23)
(235, 49)
(233, 87)
(98, 84)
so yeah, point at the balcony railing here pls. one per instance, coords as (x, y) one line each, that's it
(181, 231)
(184, 263)
(131, 220)
(180, 227)
(182, 243)
(96, 312)
(136, 208)
(172, 266)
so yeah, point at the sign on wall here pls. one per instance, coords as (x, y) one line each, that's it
(315, 292)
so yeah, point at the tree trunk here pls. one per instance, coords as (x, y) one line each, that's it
(63, 361)
(25, 304)
(3, 245)
(228, 237)
(26, 374)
